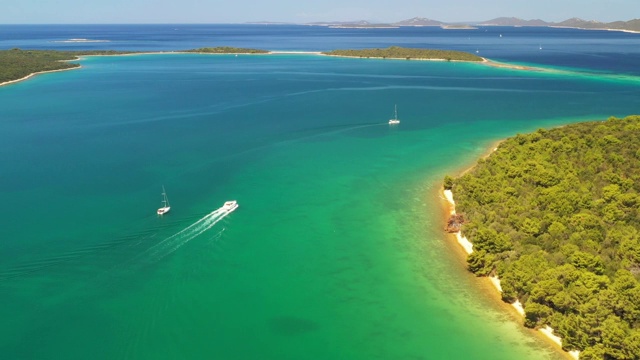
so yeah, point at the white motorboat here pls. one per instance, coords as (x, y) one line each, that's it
(230, 205)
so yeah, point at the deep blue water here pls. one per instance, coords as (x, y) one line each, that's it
(337, 249)
(597, 50)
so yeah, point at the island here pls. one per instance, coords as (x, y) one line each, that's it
(554, 215)
(227, 50)
(577, 23)
(458, 27)
(396, 52)
(19, 64)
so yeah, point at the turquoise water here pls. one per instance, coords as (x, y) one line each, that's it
(336, 250)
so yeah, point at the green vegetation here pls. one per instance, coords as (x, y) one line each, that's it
(227, 50)
(555, 214)
(17, 63)
(396, 52)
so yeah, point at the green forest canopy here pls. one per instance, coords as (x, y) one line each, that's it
(227, 50)
(17, 63)
(555, 215)
(396, 52)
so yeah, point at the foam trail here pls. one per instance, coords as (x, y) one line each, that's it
(177, 240)
(153, 253)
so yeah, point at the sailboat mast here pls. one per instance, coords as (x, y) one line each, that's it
(165, 201)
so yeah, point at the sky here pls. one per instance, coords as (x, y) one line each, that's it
(300, 11)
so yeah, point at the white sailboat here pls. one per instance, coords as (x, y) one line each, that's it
(395, 119)
(165, 203)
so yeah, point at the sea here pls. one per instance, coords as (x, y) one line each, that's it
(337, 248)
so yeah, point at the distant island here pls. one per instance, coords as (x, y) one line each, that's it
(227, 50)
(362, 24)
(18, 64)
(554, 215)
(631, 25)
(396, 52)
(458, 27)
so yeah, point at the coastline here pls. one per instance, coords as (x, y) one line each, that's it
(595, 29)
(80, 57)
(405, 59)
(467, 247)
(37, 73)
(484, 61)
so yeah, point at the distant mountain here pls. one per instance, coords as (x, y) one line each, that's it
(419, 21)
(513, 21)
(584, 24)
(631, 25)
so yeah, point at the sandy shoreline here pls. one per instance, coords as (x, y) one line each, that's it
(467, 246)
(595, 29)
(277, 52)
(405, 59)
(36, 73)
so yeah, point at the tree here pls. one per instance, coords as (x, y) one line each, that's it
(536, 314)
(448, 182)
(614, 332)
(555, 214)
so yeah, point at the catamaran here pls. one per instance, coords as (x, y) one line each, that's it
(165, 203)
(395, 119)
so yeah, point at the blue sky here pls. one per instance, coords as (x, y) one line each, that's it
(237, 11)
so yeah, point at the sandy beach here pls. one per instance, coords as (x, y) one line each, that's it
(484, 60)
(405, 59)
(595, 29)
(467, 246)
(510, 66)
(36, 73)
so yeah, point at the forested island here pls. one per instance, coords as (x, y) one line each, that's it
(554, 214)
(396, 52)
(227, 50)
(17, 63)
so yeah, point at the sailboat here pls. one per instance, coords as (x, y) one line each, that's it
(165, 203)
(395, 119)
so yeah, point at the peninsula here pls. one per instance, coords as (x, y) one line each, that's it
(396, 52)
(554, 215)
(18, 64)
(226, 50)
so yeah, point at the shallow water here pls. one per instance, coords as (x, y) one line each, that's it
(336, 250)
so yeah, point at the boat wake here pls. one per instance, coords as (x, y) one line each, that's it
(135, 247)
(177, 240)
